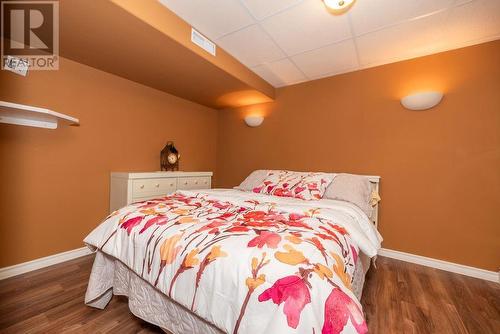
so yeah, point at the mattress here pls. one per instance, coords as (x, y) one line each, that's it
(111, 277)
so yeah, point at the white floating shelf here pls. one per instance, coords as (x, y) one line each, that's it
(21, 114)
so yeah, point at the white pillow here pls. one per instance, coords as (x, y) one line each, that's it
(253, 180)
(355, 189)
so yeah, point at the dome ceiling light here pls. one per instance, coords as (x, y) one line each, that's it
(338, 7)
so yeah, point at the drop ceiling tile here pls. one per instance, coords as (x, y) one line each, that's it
(212, 18)
(306, 27)
(252, 46)
(331, 59)
(404, 41)
(477, 20)
(461, 2)
(261, 9)
(319, 44)
(280, 73)
(371, 15)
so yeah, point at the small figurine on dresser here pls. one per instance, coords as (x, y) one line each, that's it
(169, 157)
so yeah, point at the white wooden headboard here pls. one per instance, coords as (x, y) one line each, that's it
(375, 181)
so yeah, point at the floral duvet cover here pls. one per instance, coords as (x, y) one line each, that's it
(245, 262)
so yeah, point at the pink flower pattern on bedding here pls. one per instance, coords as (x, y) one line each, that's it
(306, 186)
(283, 262)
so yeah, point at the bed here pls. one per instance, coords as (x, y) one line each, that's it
(232, 261)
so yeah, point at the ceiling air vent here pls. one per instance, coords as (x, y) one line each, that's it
(203, 42)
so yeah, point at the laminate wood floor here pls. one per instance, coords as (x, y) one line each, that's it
(398, 298)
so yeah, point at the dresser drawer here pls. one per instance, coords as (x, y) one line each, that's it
(126, 188)
(153, 187)
(145, 198)
(199, 182)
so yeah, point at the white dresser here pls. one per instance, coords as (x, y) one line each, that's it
(126, 188)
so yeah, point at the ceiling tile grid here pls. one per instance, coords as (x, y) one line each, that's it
(291, 41)
(369, 16)
(335, 58)
(306, 27)
(260, 9)
(280, 73)
(213, 18)
(252, 46)
(398, 42)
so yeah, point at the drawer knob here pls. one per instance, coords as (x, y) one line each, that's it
(142, 186)
(157, 185)
(171, 184)
(196, 182)
(185, 183)
(206, 182)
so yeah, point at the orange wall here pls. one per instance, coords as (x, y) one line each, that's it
(55, 183)
(440, 168)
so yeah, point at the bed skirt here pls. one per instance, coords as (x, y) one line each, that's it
(111, 277)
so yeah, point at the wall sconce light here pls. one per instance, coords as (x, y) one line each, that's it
(421, 101)
(254, 120)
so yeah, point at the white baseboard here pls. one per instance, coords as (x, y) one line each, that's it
(43, 262)
(443, 265)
